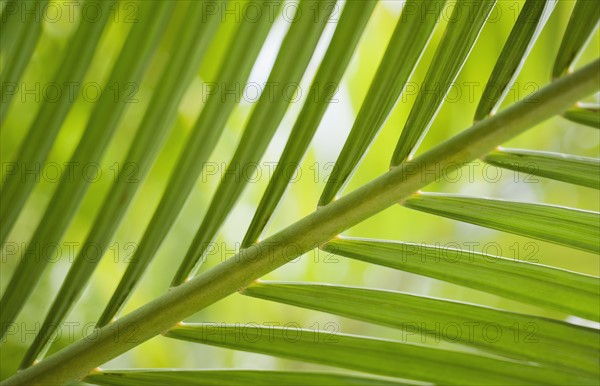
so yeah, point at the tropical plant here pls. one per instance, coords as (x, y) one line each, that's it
(564, 352)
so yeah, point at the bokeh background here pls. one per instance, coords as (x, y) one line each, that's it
(396, 223)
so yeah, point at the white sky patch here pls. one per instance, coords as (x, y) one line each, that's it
(237, 222)
(281, 137)
(252, 361)
(583, 322)
(521, 191)
(394, 6)
(268, 53)
(334, 127)
(469, 188)
(323, 44)
(260, 75)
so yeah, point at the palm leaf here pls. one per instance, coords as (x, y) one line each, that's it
(11, 25)
(584, 114)
(231, 378)
(583, 22)
(528, 26)
(142, 152)
(582, 171)
(25, 38)
(182, 301)
(566, 226)
(33, 152)
(566, 349)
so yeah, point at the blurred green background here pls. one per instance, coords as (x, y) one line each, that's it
(396, 223)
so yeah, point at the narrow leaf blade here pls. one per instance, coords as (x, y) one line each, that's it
(17, 60)
(523, 281)
(156, 122)
(584, 114)
(576, 170)
(583, 21)
(158, 119)
(34, 151)
(152, 377)
(523, 36)
(566, 226)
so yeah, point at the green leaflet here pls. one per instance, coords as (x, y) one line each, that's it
(49, 118)
(503, 333)
(228, 377)
(237, 65)
(403, 52)
(382, 357)
(584, 114)
(128, 69)
(582, 171)
(560, 225)
(347, 34)
(523, 36)
(582, 23)
(524, 281)
(25, 39)
(293, 58)
(462, 31)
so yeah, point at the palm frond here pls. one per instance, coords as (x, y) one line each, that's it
(134, 58)
(427, 339)
(19, 49)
